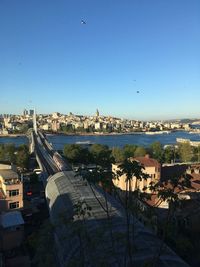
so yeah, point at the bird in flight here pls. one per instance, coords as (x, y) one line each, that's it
(83, 22)
(138, 92)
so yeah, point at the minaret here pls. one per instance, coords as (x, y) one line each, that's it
(34, 122)
(97, 113)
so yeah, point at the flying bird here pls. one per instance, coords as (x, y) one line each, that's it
(138, 92)
(83, 22)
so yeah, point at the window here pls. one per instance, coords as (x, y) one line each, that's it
(13, 205)
(13, 193)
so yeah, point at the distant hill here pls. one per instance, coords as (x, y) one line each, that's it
(189, 120)
(185, 120)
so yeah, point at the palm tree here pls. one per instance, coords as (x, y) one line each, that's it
(132, 170)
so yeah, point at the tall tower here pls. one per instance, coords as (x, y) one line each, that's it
(34, 122)
(25, 112)
(97, 113)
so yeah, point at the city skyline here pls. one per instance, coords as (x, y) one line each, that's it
(29, 112)
(136, 60)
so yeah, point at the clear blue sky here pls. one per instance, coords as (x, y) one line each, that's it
(49, 60)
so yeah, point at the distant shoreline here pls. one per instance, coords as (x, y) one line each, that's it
(117, 134)
(95, 134)
(102, 134)
(12, 135)
(112, 140)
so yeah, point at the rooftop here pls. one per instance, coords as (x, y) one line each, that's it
(5, 165)
(9, 174)
(147, 161)
(10, 219)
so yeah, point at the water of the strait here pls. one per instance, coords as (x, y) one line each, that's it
(142, 139)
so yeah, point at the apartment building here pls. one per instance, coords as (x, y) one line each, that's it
(11, 188)
(151, 167)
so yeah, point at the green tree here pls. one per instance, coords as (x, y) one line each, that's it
(9, 152)
(101, 155)
(157, 151)
(140, 152)
(22, 159)
(73, 152)
(22, 156)
(67, 128)
(118, 154)
(169, 154)
(185, 152)
(86, 156)
(132, 170)
(1, 151)
(129, 151)
(196, 154)
(24, 128)
(24, 148)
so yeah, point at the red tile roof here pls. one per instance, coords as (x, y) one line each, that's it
(147, 161)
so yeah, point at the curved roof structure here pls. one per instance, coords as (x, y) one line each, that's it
(90, 228)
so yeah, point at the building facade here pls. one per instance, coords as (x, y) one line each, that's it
(11, 189)
(151, 167)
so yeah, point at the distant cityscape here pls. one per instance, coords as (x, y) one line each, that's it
(100, 134)
(96, 124)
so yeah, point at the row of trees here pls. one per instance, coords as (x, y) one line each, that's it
(183, 152)
(16, 155)
(97, 154)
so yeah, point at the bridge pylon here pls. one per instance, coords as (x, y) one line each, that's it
(34, 122)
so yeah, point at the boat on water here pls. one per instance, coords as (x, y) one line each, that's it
(195, 132)
(158, 132)
(84, 143)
